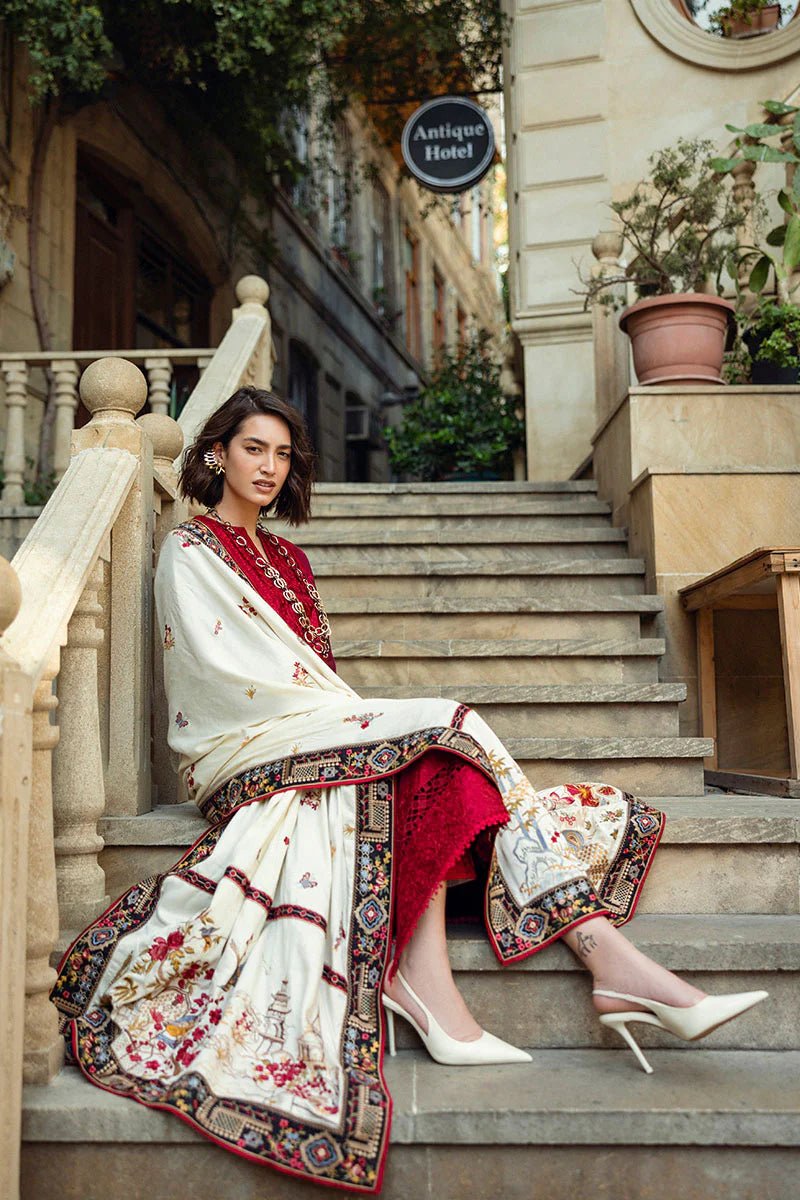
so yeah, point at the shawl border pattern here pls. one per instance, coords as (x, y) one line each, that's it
(352, 1158)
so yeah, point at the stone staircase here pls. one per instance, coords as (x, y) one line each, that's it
(520, 600)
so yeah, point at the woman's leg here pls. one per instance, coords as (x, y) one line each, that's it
(618, 966)
(425, 964)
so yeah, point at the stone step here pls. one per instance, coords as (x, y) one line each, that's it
(487, 550)
(434, 533)
(590, 576)
(488, 487)
(566, 710)
(467, 661)
(719, 1124)
(459, 504)
(516, 516)
(528, 617)
(526, 1003)
(719, 854)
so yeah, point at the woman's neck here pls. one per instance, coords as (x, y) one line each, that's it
(239, 513)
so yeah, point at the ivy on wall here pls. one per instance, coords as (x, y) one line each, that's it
(245, 69)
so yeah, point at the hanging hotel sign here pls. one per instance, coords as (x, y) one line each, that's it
(448, 144)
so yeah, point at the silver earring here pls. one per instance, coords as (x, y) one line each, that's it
(213, 463)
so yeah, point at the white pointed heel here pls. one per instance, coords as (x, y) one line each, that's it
(688, 1023)
(446, 1049)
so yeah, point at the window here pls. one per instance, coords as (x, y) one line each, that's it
(303, 387)
(381, 231)
(301, 190)
(438, 312)
(412, 311)
(341, 217)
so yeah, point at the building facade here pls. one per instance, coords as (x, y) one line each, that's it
(141, 236)
(593, 87)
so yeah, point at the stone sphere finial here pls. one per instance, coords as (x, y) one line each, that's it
(113, 389)
(165, 434)
(10, 594)
(252, 289)
(607, 245)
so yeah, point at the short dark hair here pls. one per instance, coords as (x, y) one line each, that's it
(198, 482)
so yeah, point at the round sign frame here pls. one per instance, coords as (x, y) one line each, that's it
(461, 183)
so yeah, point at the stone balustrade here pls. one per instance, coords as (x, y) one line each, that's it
(76, 623)
(66, 367)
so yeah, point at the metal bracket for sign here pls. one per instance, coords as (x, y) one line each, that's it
(462, 182)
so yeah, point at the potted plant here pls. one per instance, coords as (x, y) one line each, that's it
(461, 425)
(680, 224)
(745, 18)
(770, 328)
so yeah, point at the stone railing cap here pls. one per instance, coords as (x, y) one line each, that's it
(165, 434)
(252, 289)
(113, 385)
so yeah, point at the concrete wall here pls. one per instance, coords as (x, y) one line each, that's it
(593, 87)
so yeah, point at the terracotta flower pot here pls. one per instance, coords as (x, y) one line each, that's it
(763, 21)
(678, 338)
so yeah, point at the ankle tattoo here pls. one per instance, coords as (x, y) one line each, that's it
(587, 942)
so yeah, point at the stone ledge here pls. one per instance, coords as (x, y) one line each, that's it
(488, 486)
(500, 648)
(440, 605)
(691, 820)
(705, 942)
(542, 693)
(564, 1097)
(436, 536)
(568, 567)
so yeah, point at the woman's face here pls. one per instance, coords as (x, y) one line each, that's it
(257, 459)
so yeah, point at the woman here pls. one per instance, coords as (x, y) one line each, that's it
(243, 990)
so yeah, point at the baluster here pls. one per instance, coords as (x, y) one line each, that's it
(611, 348)
(744, 192)
(113, 390)
(15, 776)
(43, 1046)
(16, 377)
(167, 438)
(159, 380)
(78, 790)
(65, 376)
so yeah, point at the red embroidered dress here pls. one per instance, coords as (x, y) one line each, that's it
(441, 803)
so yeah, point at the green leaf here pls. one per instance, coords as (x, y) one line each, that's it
(785, 201)
(776, 236)
(791, 248)
(723, 165)
(796, 132)
(768, 154)
(778, 108)
(759, 274)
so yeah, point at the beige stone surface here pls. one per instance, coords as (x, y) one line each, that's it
(750, 878)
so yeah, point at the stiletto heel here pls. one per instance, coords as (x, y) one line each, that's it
(622, 1029)
(689, 1023)
(390, 1028)
(449, 1050)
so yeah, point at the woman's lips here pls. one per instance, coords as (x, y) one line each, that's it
(264, 487)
